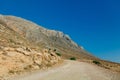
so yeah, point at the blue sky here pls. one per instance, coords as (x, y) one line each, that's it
(94, 24)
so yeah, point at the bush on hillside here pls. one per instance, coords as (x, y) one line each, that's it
(96, 62)
(58, 54)
(72, 58)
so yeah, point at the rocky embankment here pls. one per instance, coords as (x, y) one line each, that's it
(18, 60)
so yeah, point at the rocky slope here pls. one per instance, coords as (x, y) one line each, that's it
(17, 60)
(44, 38)
(18, 55)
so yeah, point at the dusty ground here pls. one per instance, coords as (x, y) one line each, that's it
(72, 70)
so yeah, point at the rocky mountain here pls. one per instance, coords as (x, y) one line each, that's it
(44, 38)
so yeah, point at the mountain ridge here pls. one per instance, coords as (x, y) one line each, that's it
(48, 32)
(43, 37)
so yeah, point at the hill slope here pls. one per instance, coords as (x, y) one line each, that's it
(43, 37)
(18, 55)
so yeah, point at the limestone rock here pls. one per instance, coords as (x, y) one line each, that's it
(37, 59)
(21, 50)
(11, 53)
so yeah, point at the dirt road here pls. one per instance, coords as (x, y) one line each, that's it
(72, 70)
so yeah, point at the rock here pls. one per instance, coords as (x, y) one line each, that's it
(8, 49)
(1, 47)
(11, 53)
(21, 50)
(36, 67)
(28, 49)
(1, 52)
(38, 53)
(53, 61)
(37, 59)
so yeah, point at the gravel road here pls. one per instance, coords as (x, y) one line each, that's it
(72, 70)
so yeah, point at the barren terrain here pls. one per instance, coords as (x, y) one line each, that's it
(72, 70)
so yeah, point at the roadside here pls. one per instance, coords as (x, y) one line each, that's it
(72, 70)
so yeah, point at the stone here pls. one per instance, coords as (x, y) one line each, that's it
(37, 59)
(11, 53)
(21, 50)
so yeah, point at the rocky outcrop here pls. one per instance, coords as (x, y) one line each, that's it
(17, 60)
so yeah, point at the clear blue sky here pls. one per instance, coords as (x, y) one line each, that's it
(94, 24)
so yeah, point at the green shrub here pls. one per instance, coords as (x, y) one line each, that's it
(96, 62)
(58, 54)
(72, 58)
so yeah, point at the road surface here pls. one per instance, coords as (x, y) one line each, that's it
(72, 70)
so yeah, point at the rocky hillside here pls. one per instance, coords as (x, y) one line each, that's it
(44, 38)
(26, 46)
(18, 55)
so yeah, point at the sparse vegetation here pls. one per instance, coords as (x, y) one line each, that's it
(72, 58)
(11, 71)
(96, 62)
(58, 54)
(15, 71)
